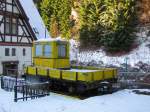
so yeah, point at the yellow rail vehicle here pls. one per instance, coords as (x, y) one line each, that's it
(51, 62)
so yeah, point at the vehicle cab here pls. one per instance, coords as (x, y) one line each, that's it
(51, 53)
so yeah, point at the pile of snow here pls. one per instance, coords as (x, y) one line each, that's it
(34, 18)
(122, 101)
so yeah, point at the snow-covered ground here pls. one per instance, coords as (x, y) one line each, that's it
(122, 101)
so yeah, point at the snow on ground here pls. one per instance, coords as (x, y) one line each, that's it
(122, 101)
(34, 18)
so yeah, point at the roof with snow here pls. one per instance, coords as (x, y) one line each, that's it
(50, 39)
(35, 19)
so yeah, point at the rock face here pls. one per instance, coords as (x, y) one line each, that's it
(144, 11)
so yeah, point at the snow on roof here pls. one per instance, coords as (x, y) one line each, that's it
(50, 39)
(35, 19)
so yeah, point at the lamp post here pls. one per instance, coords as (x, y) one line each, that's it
(126, 62)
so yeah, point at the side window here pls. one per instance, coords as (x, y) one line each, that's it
(14, 26)
(11, 26)
(8, 26)
(13, 52)
(47, 50)
(7, 52)
(24, 52)
(62, 50)
(38, 50)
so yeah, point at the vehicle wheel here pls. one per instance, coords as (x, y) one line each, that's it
(105, 89)
(71, 89)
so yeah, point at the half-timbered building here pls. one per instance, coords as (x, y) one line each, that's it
(16, 36)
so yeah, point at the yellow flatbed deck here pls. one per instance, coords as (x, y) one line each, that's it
(85, 75)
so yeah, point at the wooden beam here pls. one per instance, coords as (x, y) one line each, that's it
(15, 44)
(27, 24)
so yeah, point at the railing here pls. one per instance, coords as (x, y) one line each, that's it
(31, 91)
(8, 83)
(26, 90)
(134, 80)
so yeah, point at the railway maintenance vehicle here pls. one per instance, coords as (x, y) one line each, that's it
(51, 62)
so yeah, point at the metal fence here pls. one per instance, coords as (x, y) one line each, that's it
(25, 89)
(8, 83)
(31, 91)
(133, 80)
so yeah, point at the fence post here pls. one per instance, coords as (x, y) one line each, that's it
(2, 83)
(23, 92)
(15, 93)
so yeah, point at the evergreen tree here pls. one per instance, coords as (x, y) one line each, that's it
(46, 12)
(61, 11)
(65, 23)
(108, 23)
(54, 27)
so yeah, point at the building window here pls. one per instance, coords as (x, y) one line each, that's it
(14, 26)
(47, 50)
(13, 52)
(11, 26)
(7, 52)
(8, 26)
(38, 50)
(62, 51)
(24, 52)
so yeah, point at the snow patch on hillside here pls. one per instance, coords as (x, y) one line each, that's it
(142, 53)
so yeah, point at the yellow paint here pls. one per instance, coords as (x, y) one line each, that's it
(54, 73)
(98, 75)
(87, 77)
(108, 74)
(42, 71)
(69, 75)
(52, 63)
(31, 70)
(61, 63)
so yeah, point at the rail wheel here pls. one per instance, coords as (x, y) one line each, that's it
(71, 89)
(105, 88)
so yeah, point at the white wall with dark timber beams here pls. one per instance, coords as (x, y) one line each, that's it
(15, 33)
(23, 60)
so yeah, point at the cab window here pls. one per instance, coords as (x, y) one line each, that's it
(47, 50)
(38, 50)
(62, 52)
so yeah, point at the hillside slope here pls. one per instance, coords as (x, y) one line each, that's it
(99, 57)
